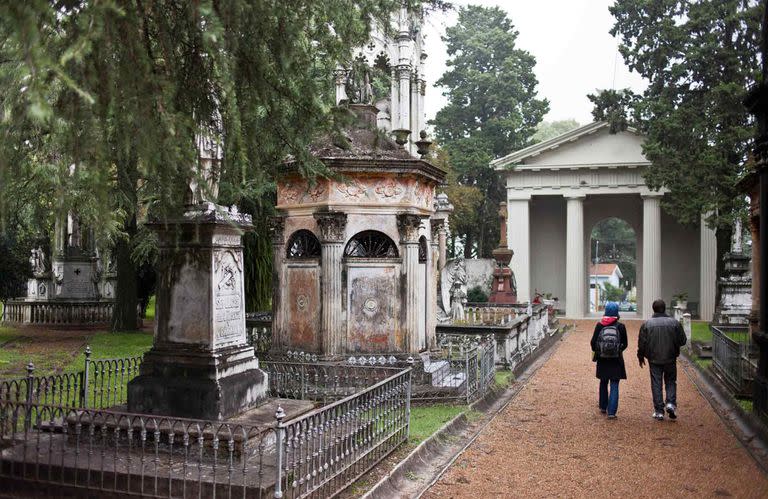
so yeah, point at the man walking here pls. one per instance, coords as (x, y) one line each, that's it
(660, 340)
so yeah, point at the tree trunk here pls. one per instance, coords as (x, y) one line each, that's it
(125, 315)
(468, 245)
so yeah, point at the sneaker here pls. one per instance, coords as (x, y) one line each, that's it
(603, 411)
(611, 416)
(672, 411)
(658, 416)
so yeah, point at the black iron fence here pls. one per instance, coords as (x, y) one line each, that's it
(56, 435)
(734, 357)
(100, 384)
(462, 370)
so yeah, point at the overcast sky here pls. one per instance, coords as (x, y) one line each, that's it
(574, 52)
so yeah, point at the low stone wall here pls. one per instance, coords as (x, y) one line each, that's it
(515, 339)
(50, 313)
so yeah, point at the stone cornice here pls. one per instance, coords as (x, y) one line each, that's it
(384, 165)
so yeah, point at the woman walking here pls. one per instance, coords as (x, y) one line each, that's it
(608, 344)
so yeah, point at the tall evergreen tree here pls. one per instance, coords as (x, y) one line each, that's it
(492, 109)
(119, 88)
(699, 57)
(617, 107)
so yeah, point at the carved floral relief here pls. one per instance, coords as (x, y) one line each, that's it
(353, 190)
(388, 189)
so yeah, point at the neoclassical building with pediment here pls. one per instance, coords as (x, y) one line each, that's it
(559, 189)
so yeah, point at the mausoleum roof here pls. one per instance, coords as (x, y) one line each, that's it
(362, 147)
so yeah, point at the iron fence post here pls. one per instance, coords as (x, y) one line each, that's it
(29, 394)
(85, 378)
(408, 405)
(279, 439)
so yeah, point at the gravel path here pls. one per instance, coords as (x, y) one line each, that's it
(552, 441)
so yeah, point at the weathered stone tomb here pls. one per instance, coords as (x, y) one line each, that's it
(356, 256)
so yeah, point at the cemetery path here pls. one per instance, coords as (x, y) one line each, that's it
(552, 441)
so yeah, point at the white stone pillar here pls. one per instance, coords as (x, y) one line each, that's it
(394, 104)
(575, 273)
(332, 227)
(433, 274)
(404, 77)
(708, 271)
(651, 252)
(415, 112)
(519, 241)
(408, 225)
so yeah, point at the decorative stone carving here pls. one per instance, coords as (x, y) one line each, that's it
(436, 225)
(332, 225)
(408, 225)
(290, 193)
(353, 190)
(388, 189)
(277, 229)
(315, 192)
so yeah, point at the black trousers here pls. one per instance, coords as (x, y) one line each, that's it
(667, 373)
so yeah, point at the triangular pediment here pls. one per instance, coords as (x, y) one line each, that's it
(589, 146)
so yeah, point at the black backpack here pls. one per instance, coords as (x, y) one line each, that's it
(609, 342)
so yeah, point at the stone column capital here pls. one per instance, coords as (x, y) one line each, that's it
(437, 225)
(404, 71)
(277, 229)
(331, 225)
(408, 224)
(652, 195)
(575, 197)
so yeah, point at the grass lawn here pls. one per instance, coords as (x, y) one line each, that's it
(55, 351)
(503, 378)
(700, 331)
(427, 419)
(151, 309)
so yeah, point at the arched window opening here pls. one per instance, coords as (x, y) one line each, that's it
(422, 249)
(371, 244)
(303, 244)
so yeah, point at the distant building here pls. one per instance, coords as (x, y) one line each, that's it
(599, 274)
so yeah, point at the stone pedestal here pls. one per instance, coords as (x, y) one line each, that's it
(200, 365)
(735, 291)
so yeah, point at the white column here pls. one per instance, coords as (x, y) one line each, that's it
(332, 227)
(519, 241)
(651, 252)
(575, 273)
(394, 101)
(708, 271)
(408, 226)
(404, 77)
(414, 115)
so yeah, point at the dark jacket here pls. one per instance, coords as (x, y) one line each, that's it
(660, 339)
(610, 368)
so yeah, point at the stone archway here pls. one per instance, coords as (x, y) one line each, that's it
(612, 263)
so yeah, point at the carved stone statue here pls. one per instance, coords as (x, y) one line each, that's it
(358, 87)
(458, 300)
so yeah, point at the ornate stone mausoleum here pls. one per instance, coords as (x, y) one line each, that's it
(74, 288)
(355, 257)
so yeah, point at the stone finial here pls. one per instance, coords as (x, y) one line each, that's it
(408, 224)
(503, 224)
(331, 225)
(422, 146)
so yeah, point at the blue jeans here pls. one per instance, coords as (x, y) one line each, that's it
(610, 402)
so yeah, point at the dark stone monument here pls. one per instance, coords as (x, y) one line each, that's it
(200, 365)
